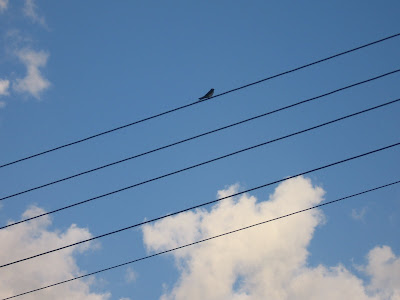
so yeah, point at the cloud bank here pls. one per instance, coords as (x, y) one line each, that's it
(33, 237)
(268, 261)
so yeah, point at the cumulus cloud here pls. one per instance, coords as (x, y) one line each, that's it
(264, 262)
(384, 269)
(3, 5)
(33, 237)
(30, 10)
(33, 83)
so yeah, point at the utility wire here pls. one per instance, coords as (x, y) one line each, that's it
(203, 163)
(191, 208)
(206, 239)
(196, 136)
(197, 102)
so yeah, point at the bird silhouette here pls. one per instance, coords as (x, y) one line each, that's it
(208, 95)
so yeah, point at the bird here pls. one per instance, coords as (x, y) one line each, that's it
(208, 95)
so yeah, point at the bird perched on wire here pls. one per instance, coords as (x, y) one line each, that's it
(208, 95)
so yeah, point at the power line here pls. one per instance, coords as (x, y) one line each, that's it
(202, 163)
(206, 239)
(199, 205)
(196, 136)
(197, 102)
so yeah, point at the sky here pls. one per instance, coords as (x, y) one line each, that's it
(71, 69)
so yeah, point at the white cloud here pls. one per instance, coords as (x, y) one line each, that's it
(30, 10)
(16, 40)
(264, 262)
(130, 275)
(33, 237)
(3, 5)
(33, 83)
(4, 85)
(384, 269)
(358, 214)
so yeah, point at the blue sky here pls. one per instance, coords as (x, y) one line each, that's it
(69, 69)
